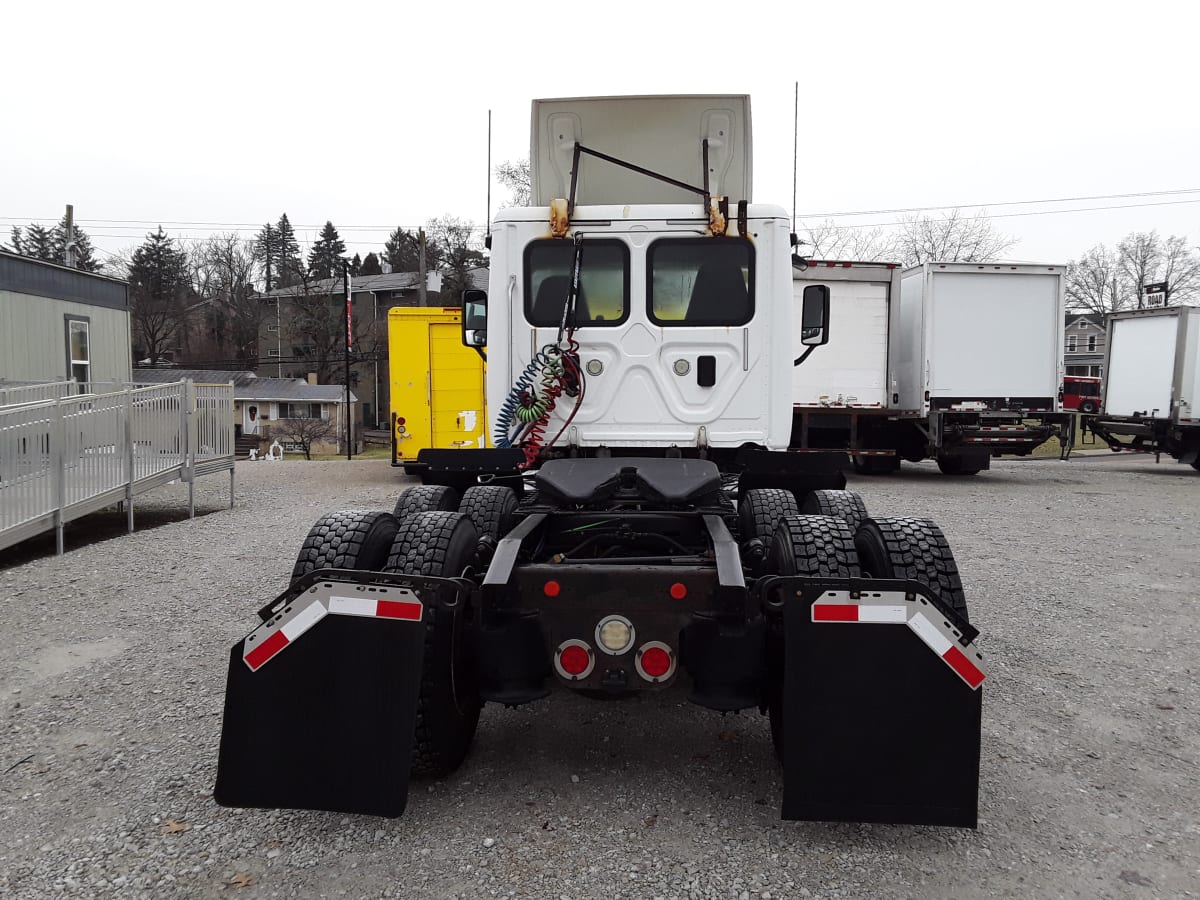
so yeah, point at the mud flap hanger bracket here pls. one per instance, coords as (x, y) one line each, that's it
(434, 591)
(773, 593)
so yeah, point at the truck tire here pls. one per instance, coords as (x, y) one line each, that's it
(1088, 406)
(915, 549)
(347, 539)
(845, 505)
(491, 508)
(821, 546)
(760, 511)
(441, 543)
(953, 465)
(425, 498)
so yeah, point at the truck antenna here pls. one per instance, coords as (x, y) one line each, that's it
(487, 221)
(795, 152)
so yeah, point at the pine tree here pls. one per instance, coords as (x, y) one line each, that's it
(84, 260)
(266, 254)
(158, 287)
(325, 257)
(17, 240)
(287, 263)
(371, 266)
(38, 243)
(403, 251)
(356, 266)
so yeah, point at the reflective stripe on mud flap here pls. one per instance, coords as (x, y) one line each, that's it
(894, 608)
(269, 639)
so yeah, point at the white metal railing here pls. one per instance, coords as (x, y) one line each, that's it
(65, 457)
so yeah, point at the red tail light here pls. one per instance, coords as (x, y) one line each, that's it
(551, 588)
(574, 660)
(655, 661)
(678, 590)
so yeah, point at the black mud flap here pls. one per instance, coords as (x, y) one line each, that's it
(321, 699)
(881, 707)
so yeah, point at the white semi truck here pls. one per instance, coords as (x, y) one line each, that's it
(638, 525)
(957, 362)
(1151, 398)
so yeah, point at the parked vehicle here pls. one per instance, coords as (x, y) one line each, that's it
(1152, 383)
(436, 382)
(638, 526)
(972, 354)
(1081, 393)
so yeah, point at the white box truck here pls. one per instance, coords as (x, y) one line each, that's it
(1151, 399)
(971, 356)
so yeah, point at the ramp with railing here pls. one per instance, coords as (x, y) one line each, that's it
(64, 455)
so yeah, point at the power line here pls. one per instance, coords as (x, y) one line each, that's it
(880, 212)
(1043, 212)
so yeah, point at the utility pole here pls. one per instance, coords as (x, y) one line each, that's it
(421, 291)
(349, 340)
(69, 238)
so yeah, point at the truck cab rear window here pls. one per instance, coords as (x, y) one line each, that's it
(701, 281)
(603, 282)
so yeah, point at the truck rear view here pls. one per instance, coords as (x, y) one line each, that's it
(1151, 397)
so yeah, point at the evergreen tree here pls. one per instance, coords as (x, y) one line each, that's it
(371, 266)
(38, 243)
(356, 266)
(325, 257)
(266, 255)
(158, 289)
(84, 260)
(18, 241)
(403, 252)
(287, 263)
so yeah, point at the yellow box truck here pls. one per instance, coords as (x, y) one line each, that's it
(436, 382)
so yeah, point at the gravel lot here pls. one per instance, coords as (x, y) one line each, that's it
(1081, 575)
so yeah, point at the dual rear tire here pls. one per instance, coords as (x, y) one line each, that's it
(435, 542)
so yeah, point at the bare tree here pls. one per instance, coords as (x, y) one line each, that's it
(1097, 282)
(1140, 256)
(950, 238)
(454, 240)
(304, 432)
(515, 176)
(1180, 269)
(223, 268)
(826, 240)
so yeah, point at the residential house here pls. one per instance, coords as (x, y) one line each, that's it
(263, 408)
(61, 324)
(284, 351)
(1084, 335)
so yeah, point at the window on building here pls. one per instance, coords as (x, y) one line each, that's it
(1091, 343)
(1083, 324)
(1072, 343)
(698, 281)
(79, 350)
(272, 328)
(272, 353)
(300, 411)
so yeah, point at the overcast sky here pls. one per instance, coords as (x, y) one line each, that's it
(375, 114)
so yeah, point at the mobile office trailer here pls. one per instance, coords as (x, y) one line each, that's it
(981, 358)
(436, 382)
(1151, 399)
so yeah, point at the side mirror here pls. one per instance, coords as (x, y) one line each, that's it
(474, 318)
(814, 316)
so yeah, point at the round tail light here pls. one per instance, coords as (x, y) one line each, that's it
(655, 661)
(574, 660)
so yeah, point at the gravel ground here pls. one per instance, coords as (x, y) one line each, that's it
(1081, 576)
